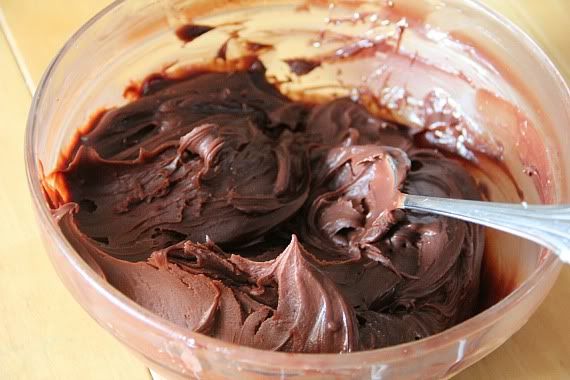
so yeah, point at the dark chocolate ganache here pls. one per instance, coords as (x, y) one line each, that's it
(223, 206)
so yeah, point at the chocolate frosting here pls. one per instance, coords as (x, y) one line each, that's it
(223, 206)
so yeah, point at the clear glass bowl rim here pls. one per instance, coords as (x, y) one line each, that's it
(243, 353)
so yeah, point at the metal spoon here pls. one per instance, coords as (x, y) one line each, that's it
(547, 225)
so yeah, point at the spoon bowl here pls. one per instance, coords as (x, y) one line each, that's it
(547, 225)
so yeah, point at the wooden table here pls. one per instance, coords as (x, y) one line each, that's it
(44, 334)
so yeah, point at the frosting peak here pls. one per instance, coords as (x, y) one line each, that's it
(311, 315)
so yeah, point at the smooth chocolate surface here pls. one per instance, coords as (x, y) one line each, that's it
(221, 205)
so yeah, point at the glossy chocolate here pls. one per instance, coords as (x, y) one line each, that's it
(220, 204)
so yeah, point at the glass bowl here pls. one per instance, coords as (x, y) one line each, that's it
(490, 70)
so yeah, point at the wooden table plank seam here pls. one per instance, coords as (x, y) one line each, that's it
(16, 53)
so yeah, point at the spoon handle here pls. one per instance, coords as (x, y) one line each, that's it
(547, 225)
